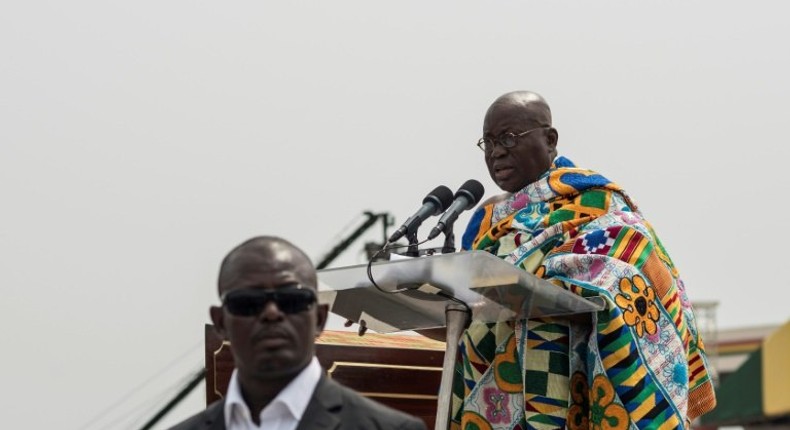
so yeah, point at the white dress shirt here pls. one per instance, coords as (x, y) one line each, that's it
(283, 412)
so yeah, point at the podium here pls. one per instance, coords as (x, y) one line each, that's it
(444, 290)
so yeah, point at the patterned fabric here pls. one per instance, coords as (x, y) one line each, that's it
(640, 364)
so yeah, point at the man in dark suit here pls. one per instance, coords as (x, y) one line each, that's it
(271, 318)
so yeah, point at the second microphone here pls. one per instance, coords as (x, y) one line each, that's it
(465, 198)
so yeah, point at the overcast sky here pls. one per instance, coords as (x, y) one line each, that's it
(140, 141)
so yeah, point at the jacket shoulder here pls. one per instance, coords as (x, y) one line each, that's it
(210, 418)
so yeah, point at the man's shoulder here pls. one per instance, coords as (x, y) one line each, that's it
(364, 410)
(209, 418)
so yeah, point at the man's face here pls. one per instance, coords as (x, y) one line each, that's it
(514, 168)
(272, 344)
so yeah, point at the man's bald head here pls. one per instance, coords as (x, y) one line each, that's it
(267, 251)
(535, 107)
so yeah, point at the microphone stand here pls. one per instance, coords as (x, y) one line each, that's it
(413, 250)
(449, 240)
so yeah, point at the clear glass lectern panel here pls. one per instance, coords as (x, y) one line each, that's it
(493, 290)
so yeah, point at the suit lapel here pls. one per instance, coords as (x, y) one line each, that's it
(323, 411)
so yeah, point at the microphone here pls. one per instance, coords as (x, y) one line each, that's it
(433, 204)
(465, 198)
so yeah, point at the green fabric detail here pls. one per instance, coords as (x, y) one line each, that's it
(535, 381)
(594, 199)
(558, 363)
(561, 215)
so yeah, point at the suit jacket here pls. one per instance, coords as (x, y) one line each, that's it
(332, 407)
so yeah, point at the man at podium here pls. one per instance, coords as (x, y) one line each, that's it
(640, 363)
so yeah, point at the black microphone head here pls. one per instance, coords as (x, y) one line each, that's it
(441, 196)
(473, 190)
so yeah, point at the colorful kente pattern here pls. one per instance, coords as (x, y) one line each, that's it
(640, 365)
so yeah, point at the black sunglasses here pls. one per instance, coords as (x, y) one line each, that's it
(251, 301)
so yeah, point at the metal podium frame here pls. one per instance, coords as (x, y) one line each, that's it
(444, 290)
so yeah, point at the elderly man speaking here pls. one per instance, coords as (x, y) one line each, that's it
(641, 363)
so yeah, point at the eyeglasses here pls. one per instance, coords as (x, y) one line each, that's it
(250, 302)
(507, 140)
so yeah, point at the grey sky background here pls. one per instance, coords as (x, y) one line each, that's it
(141, 141)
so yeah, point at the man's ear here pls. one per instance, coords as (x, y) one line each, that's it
(323, 312)
(218, 318)
(551, 142)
